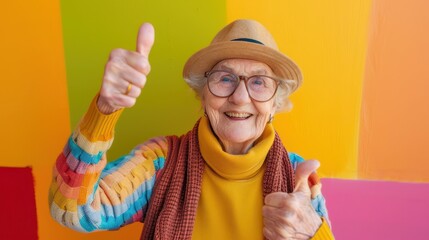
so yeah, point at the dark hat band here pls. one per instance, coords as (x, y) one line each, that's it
(247, 40)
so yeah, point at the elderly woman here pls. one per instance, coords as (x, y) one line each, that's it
(230, 177)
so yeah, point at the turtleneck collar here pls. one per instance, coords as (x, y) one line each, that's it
(229, 166)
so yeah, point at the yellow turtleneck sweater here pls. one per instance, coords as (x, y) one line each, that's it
(230, 206)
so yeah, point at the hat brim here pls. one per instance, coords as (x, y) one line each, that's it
(204, 60)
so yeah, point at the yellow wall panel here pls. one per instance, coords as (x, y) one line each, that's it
(328, 40)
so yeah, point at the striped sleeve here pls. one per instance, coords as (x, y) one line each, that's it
(89, 194)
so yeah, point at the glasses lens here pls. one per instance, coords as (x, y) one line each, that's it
(261, 88)
(222, 84)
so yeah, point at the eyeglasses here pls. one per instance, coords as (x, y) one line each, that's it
(223, 84)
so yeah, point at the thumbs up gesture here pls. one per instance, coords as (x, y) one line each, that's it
(291, 215)
(125, 73)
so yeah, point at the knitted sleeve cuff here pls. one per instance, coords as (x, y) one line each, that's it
(96, 126)
(324, 232)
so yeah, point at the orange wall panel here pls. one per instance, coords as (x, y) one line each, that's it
(395, 110)
(33, 96)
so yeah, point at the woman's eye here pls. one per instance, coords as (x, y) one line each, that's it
(258, 81)
(226, 79)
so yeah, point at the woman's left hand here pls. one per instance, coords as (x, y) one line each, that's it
(291, 215)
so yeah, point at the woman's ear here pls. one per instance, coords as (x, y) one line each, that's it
(202, 99)
(276, 106)
(203, 102)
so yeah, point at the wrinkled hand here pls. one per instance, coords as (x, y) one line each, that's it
(291, 215)
(125, 73)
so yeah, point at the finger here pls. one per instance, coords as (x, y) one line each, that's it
(145, 39)
(275, 199)
(302, 173)
(120, 57)
(133, 76)
(115, 100)
(121, 100)
(118, 75)
(278, 215)
(138, 62)
(126, 88)
(268, 234)
(280, 200)
(133, 91)
(276, 230)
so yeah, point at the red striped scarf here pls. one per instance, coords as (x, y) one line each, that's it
(173, 205)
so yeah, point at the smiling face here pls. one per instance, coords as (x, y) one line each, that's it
(237, 120)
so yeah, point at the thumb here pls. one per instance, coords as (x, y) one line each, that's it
(302, 173)
(145, 39)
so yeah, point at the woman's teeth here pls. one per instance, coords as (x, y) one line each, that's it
(238, 115)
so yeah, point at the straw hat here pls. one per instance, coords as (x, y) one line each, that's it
(246, 39)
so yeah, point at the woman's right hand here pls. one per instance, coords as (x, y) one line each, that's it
(125, 73)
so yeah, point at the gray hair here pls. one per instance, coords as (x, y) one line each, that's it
(282, 102)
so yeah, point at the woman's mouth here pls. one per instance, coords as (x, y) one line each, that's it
(237, 116)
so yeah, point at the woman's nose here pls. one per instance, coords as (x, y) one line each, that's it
(240, 95)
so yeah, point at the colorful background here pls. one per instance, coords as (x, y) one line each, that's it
(363, 110)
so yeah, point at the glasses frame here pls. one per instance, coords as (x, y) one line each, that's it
(241, 78)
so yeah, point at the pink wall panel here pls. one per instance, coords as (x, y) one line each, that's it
(377, 210)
